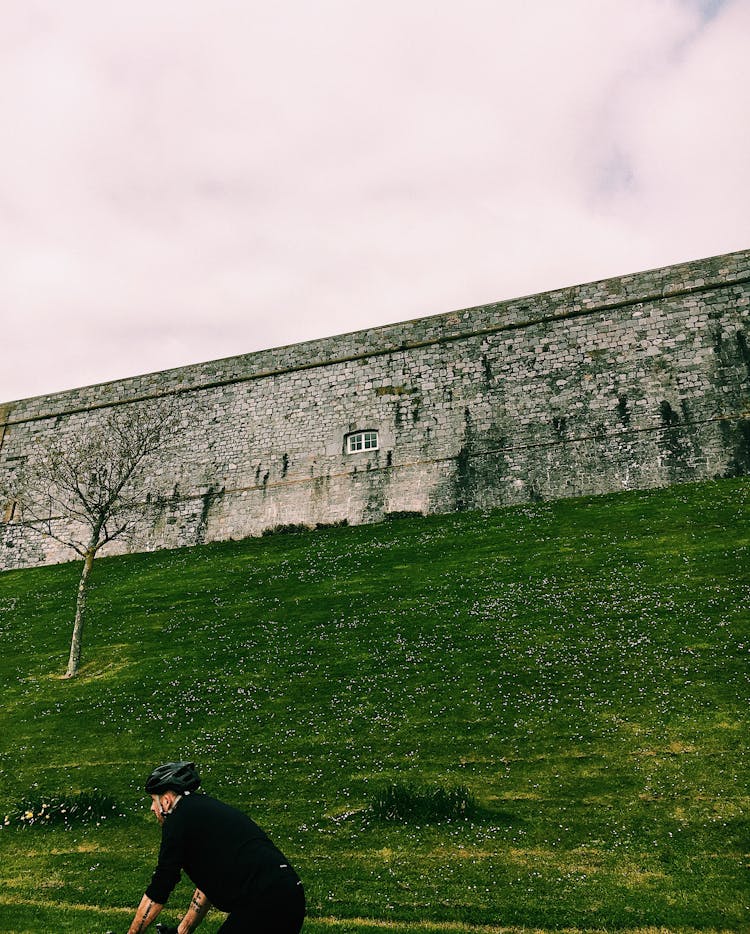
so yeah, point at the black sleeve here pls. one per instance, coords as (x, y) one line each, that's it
(167, 872)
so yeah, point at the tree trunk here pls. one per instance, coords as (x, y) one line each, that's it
(75, 642)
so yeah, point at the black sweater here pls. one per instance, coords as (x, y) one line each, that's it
(227, 856)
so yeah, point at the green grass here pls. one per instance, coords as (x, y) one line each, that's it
(580, 667)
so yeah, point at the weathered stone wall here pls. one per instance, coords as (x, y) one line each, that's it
(633, 382)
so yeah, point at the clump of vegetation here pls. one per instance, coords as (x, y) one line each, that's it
(408, 802)
(85, 807)
(403, 514)
(289, 528)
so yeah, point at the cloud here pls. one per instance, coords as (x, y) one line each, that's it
(180, 182)
(687, 135)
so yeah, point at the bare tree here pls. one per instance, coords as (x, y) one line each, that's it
(87, 491)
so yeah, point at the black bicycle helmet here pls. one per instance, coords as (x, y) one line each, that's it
(181, 777)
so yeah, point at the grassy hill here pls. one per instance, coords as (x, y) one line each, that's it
(581, 667)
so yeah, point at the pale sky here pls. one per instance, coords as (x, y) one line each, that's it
(184, 180)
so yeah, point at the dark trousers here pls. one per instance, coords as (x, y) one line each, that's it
(279, 910)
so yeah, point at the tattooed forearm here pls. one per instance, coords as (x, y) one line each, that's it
(145, 918)
(197, 911)
(147, 912)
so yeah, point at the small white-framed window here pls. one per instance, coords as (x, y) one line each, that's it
(361, 441)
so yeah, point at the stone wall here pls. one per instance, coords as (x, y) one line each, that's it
(632, 382)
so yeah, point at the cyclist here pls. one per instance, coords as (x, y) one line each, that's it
(226, 855)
